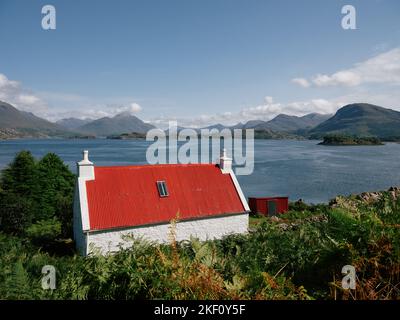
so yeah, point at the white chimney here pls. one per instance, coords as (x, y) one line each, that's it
(85, 167)
(225, 163)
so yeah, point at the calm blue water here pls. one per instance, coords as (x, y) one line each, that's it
(298, 169)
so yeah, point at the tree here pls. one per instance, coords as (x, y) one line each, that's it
(17, 284)
(15, 213)
(17, 185)
(64, 213)
(55, 186)
(20, 176)
(36, 197)
(44, 231)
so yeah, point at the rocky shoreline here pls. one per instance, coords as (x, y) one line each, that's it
(367, 197)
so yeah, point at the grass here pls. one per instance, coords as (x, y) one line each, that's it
(256, 220)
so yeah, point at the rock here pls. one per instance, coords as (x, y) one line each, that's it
(369, 196)
(319, 218)
(284, 226)
(374, 196)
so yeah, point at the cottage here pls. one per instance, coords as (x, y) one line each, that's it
(141, 200)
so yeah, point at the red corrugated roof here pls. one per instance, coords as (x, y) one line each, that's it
(128, 196)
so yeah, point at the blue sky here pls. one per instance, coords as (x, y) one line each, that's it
(200, 62)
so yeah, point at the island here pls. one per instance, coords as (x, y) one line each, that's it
(343, 140)
(126, 136)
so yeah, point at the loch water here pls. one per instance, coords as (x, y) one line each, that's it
(298, 169)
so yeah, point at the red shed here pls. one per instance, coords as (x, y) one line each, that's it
(270, 206)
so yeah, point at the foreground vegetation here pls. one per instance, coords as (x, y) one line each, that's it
(296, 256)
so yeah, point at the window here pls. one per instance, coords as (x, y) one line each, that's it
(162, 188)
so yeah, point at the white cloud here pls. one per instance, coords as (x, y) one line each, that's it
(265, 111)
(65, 105)
(28, 99)
(270, 108)
(112, 110)
(134, 107)
(95, 111)
(268, 100)
(345, 78)
(383, 68)
(5, 83)
(301, 82)
(13, 92)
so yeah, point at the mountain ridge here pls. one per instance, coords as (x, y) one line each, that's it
(361, 119)
(285, 123)
(357, 119)
(72, 123)
(17, 123)
(120, 123)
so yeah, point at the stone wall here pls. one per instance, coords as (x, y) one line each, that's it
(203, 229)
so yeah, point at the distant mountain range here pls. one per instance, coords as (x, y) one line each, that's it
(18, 124)
(72, 123)
(281, 123)
(286, 123)
(121, 123)
(25, 124)
(360, 119)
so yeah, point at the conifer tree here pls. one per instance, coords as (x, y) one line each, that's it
(20, 176)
